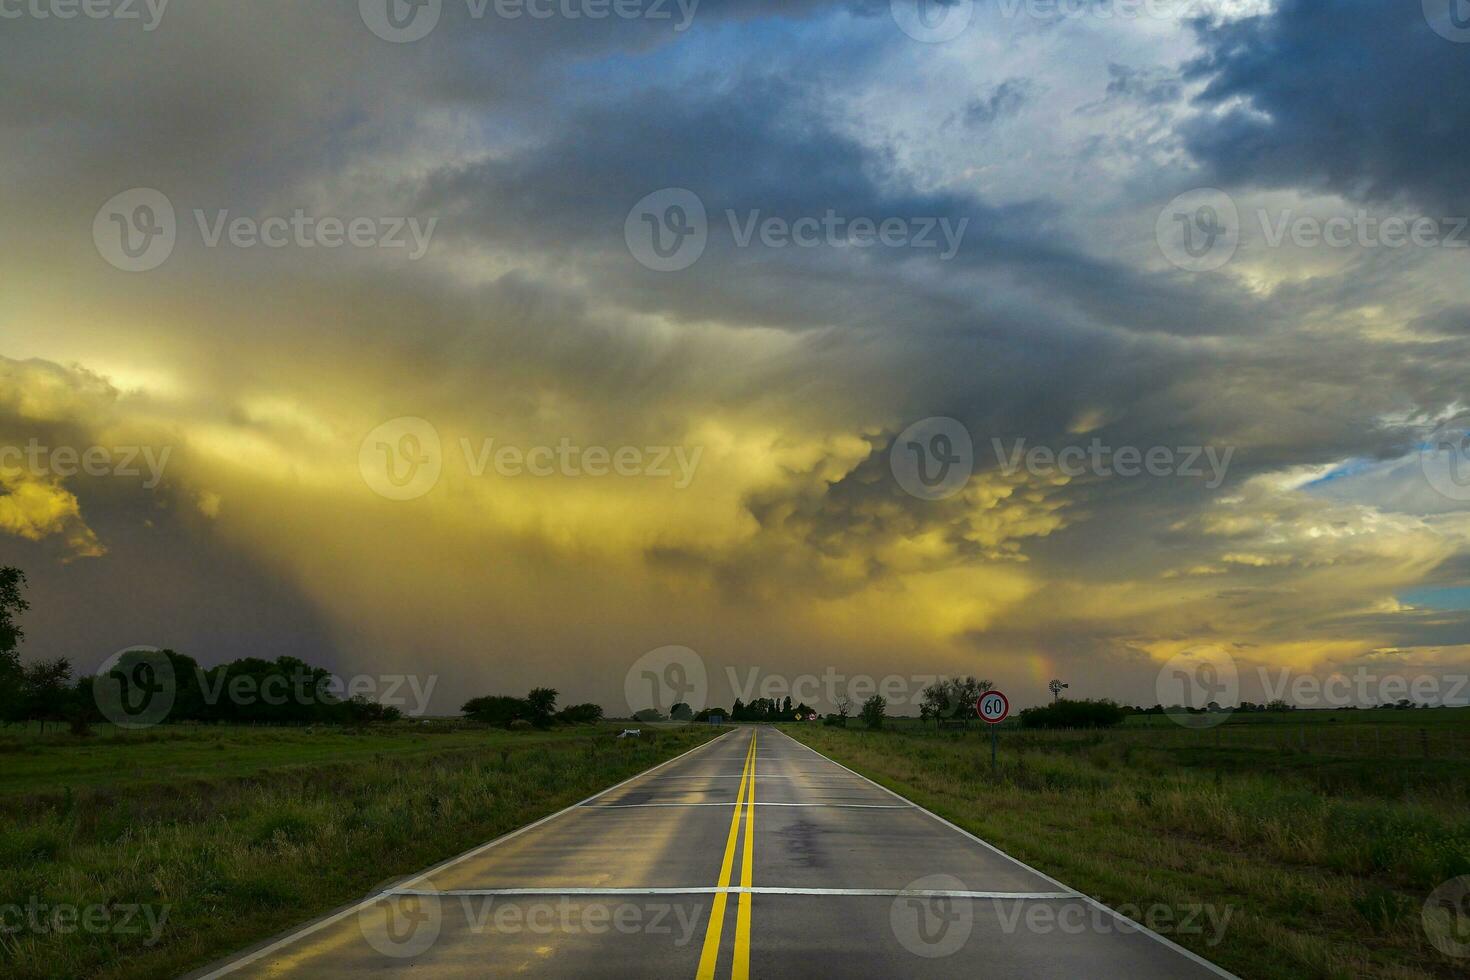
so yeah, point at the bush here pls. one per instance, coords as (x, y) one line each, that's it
(1073, 714)
(497, 710)
(580, 714)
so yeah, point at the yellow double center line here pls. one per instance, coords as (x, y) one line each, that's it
(744, 800)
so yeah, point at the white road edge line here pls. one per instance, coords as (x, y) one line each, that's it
(1195, 957)
(337, 916)
(736, 890)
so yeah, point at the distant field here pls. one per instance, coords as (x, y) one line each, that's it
(229, 835)
(1322, 839)
(168, 754)
(1378, 734)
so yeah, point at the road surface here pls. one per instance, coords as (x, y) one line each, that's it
(750, 856)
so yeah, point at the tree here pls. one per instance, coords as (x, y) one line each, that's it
(11, 705)
(46, 690)
(12, 603)
(873, 709)
(952, 698)
(361, 710)
(681, 712)
(542, 701)
(844, 708)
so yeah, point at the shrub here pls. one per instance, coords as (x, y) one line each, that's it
(498, 710)
(580, 714)
(1073, 714)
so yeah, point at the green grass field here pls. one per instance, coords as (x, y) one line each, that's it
(194, 842)
(1321, 839)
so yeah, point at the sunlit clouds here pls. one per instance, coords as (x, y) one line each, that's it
(624, 458)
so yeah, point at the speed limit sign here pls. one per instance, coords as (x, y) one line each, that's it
(993, 707)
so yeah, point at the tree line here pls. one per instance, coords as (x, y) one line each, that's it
(536, 710)
(286, 690)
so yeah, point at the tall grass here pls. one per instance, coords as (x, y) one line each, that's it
(235, 859)
(1324, 864)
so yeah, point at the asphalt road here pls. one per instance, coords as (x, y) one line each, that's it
(673, 874)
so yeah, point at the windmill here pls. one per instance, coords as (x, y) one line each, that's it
(1056, 688)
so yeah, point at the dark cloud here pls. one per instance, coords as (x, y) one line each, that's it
(1357, 97)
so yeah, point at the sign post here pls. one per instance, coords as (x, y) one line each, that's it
(993, 708)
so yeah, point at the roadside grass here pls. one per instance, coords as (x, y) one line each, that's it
(1323, 863)
(273, 834)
